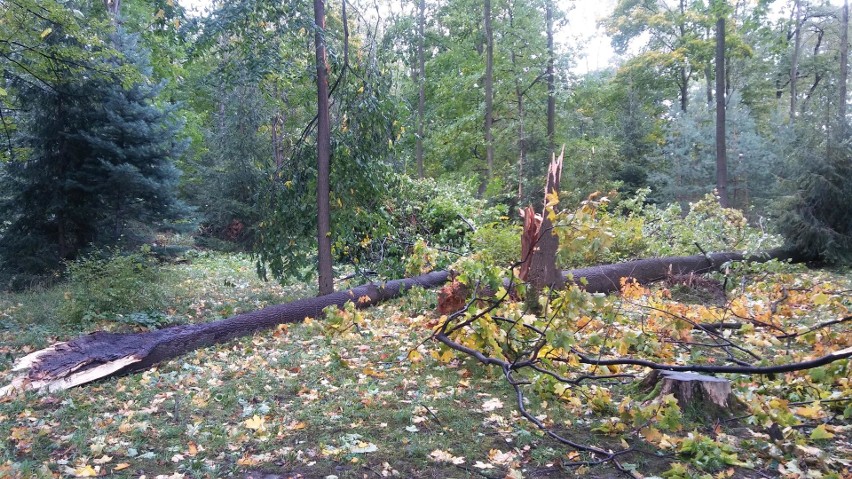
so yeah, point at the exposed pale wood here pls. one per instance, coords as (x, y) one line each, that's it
(709, 395)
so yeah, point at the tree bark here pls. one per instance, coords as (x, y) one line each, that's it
(541, 253)
(519, 97)
(421, 85)
(794, 61)
(709, 395)
(684, 74)
(489, 97)
(326, 280)
(844, 73)
(551, 80)
(721, 149)
(102, 354)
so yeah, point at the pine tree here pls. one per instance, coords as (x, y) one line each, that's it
(99, 162)
(816, 220)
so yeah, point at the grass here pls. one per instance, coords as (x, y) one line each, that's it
(296, 400)
(308, 393)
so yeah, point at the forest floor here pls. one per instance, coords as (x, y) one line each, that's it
(304, 401)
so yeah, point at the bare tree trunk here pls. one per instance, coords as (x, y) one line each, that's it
(519, 97)
(708, 79)
(794, 61)
(844, 73)
(421, 85)
(551, 80)
(326, 280)
(721, 153)
(114, 9)
(489, 97)
(684, 75)
(522, 138)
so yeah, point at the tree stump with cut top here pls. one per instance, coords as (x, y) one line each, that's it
(708, 396)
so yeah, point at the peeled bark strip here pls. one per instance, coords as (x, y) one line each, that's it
(101, 354)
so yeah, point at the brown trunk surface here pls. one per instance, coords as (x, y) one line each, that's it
(325, 276)
(102, 354)
(709, 396)
(721, 149)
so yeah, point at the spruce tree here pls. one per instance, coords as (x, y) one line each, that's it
(99, 161)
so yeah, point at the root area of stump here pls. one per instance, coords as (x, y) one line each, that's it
(697, 395)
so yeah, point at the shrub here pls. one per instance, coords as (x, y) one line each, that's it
(499, 243)
(114, 286)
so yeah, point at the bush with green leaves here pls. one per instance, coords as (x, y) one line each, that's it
(706, 226)
(114, 286)
(498, 242)
(597, 232)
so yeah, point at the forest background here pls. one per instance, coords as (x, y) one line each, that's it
(142, 144)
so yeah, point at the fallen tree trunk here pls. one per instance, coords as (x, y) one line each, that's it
(102, 354)
(607, 278)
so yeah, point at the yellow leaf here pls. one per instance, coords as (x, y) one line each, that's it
(85, 471)
(414, 356)
(361, 90)
(821, 433)
(810, 412)
(444, 456)
(297, 425)
(373, 373)
(256, 423)
(193, 449)
(121, 467)
(45, 32)
(821, 299)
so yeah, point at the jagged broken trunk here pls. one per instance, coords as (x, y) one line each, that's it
(101, 354)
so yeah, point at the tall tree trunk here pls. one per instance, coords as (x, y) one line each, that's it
(519, 97)
(489, 97)
(522, 137)
(421, 84)
(551, 80)
(721, 153)
(708, 80)
(684, 74)
(326, 280)
(114, 9)
(794, 61)
(844, 73)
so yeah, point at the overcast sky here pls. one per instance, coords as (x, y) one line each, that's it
(582, 30)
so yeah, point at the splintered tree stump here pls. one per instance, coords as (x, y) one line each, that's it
(708, 396)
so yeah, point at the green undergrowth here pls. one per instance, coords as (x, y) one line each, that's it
(367, 393)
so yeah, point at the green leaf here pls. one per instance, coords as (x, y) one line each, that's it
(821, 433)
(3, 92)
